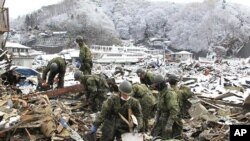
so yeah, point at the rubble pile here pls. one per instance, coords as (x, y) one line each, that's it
(221, 98)
(36, 117)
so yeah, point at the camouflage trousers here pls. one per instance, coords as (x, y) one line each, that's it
(95, 103)
(145, 125)
(159, 129)
(113, 129)
(86, 68)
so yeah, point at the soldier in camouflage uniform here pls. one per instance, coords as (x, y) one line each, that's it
(96, 89)
(113, 125)
(168, 111)
(85, 56)
(184, 93)
(55, 66)
(119, 70)
(145, 77)
(147, 101)
(113, 88)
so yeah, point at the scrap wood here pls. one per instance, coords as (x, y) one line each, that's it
(78, 106)
(11, 127)
(228, 94)
(220, 102)
(24, 103)
(221, 136)
(56, 92)
(57, 138)
(30, 125)
(48, 127)
(82, 126)
(213, 105)
(3, 102)
(26, 118)
(235, 114)
(32, 137)
(36, 119)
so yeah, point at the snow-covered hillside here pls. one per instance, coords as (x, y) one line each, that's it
(192, 26)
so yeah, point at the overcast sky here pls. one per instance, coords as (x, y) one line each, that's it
(21, 7)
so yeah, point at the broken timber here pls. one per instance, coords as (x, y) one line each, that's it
(60, 91)
(220, 102)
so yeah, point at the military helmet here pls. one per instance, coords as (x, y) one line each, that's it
(158, 79)
(140, 71)
(77, 75)
(79, 39)
(173, 77)
(53, 67)
(125, 87)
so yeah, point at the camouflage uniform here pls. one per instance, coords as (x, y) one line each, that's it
(61, 71)
(113, 125)
(86, 59)
(119, 70)
(147, 101)
(184, 93)
(147, 79)
(96, 89)
(168, 113)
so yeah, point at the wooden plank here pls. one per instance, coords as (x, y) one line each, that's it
(60, 91)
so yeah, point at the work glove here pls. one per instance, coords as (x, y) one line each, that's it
(93, 129)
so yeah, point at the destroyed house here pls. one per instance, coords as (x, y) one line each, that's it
(52, 44)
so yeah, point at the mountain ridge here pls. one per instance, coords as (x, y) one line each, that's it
(194, 26)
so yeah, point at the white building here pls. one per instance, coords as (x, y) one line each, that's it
(181, 56)
(22, 55)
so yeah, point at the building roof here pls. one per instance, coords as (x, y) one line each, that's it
(182, 52)
(15, 45)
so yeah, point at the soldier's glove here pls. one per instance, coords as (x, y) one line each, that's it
(169, 126)
(93, 129)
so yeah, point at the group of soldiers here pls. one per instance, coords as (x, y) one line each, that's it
(130, 106)
(57, 66)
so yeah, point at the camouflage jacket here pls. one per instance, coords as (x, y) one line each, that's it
(168, 104)
(113, 106)
(94, 84)
(85, 54)
(145, 97)
(61, 67)
(148, 79)
(184, 93)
